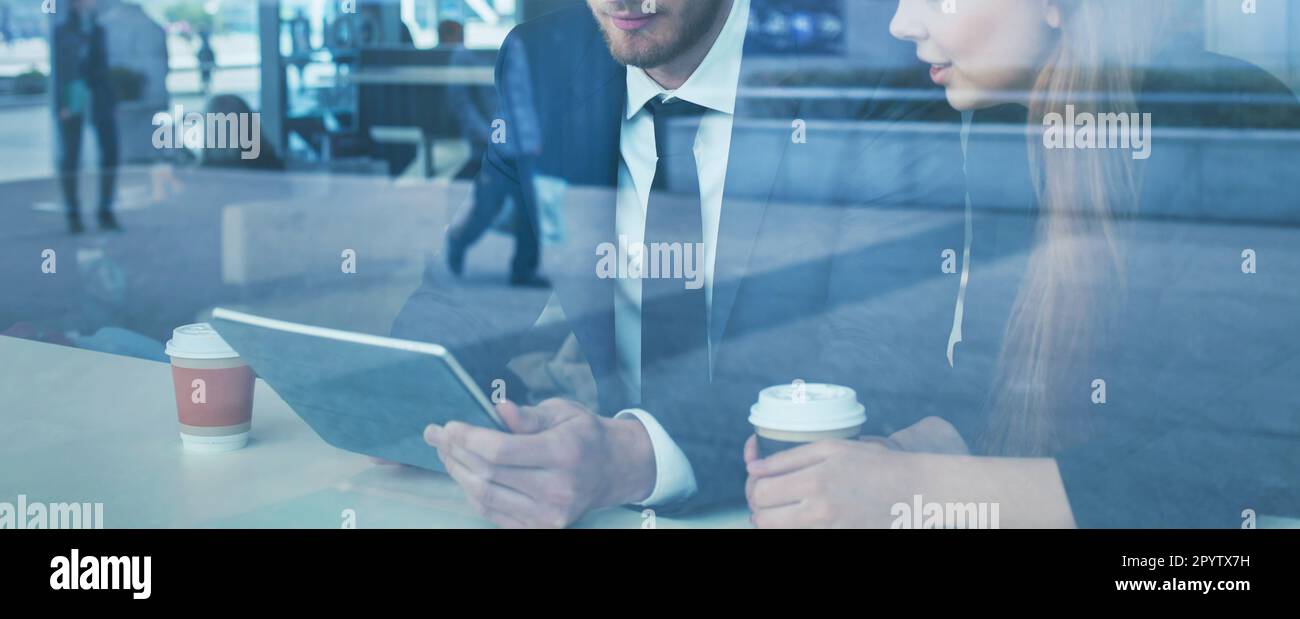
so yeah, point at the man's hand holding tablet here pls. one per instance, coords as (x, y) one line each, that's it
(558, 462)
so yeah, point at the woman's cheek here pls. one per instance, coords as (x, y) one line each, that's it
(992, 42)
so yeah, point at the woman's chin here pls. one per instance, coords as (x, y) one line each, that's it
(972, 99)
(964, 99)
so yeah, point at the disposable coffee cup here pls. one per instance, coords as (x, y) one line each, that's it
(214, 390)
(787, 416)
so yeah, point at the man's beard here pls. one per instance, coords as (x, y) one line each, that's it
(692, 25)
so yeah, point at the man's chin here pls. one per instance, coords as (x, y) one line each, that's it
(633, 55)
(634, 50)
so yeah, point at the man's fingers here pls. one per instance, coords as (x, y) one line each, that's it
(527, 480)
(521, 419)
(503, 505)
(531, 450)
(467, 459)
(433, 435)
(788, 461)
(492, 445)
(488, 497)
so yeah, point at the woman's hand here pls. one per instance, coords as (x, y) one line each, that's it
(830, 484)
(930, 435)
(859, 483)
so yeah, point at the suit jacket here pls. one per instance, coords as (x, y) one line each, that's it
(795, 253)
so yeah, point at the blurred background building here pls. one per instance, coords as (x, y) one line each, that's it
(311, 68)
(361, 145)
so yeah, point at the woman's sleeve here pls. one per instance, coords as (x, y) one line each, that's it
(1201, 427)
(1180, 477)
(1201, 419)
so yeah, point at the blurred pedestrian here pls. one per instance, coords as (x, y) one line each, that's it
(207, 61)
(83, 90)
(475, 107)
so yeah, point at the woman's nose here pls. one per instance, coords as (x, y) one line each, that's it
(906, 25)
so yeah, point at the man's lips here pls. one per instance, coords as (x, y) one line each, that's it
(632, 21)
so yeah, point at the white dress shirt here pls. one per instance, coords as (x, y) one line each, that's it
(713, 86)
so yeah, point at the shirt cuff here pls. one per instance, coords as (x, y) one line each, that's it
(674, 477)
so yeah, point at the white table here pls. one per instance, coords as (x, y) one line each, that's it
(81, 426)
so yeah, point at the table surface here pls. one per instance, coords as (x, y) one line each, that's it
(82, 426)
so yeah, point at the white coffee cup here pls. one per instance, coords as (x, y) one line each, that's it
(787, 416)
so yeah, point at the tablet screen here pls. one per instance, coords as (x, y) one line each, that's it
(369, 395)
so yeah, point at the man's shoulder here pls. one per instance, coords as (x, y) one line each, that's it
(558, 29)
(558, 48)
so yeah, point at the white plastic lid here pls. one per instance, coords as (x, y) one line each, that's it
(198, 341)
(810, 407)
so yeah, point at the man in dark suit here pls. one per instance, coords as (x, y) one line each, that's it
(704, 238)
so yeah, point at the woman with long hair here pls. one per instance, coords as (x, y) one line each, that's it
(1039, 455)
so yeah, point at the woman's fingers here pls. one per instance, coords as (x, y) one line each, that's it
(504, 520)
(751, 449)
(769, 492)
(886, 442)
(789, 516)
(931, 435)
(789, 461)
(750, 455)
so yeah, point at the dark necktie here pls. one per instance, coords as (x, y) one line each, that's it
(674, 318)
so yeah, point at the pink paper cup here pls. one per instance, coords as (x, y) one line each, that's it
(213, 388)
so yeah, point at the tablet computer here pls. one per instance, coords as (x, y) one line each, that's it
(362, 393)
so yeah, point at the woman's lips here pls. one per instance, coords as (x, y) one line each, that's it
(939, 73)
(631, 23)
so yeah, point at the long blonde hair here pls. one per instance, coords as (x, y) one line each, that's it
(1098, 64)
